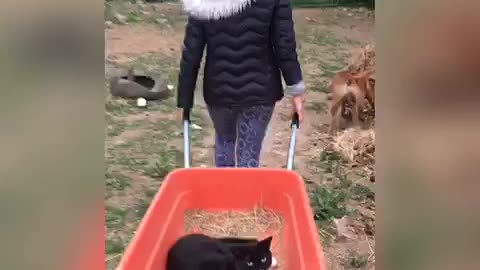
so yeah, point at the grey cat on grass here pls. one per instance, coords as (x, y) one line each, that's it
(132, 87)
(201, 252)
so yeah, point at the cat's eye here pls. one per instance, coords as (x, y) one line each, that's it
(264, 259)
(249, 263)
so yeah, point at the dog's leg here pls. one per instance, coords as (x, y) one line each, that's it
(336, 105)
(369, 98)
(336, 113)
(333, 122)
(356, 114)
(331, 130)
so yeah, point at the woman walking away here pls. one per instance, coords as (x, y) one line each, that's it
(250, 45)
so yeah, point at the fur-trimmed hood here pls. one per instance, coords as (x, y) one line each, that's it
(214, 9)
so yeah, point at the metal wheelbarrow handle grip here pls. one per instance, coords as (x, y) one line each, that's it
(293, 138)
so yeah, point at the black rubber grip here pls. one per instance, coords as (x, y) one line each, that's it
(295, 120)
(186, 114)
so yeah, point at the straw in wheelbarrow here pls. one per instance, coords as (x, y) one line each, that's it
(233, 223)
(257, 223)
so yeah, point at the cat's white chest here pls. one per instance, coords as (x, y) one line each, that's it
(274, 262)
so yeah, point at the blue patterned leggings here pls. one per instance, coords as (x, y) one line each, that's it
(239, 131)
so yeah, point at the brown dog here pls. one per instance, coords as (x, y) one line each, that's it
(350, 91)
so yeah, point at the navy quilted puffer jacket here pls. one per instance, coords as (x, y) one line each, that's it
(250, 44)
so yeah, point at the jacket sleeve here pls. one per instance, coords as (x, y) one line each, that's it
(283, 39)
(193, 45)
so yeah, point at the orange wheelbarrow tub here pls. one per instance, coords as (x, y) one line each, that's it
(242, 189)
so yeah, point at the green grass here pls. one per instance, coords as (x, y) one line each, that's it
(332, 60)
(330, 162)
(115, 130)
(344, 182)
(159, 168)
(329, 69)
(362, 193)
(132, 164)
(133, 13)
(118, 108)
(319, 107)
(142, 207)
(328, 204)
(320, 86)
(321, 37)
(117, 181)
(108, 11)
(151, 193)
(115, 217)
(330, 201)
(134, 17)
(143, 203)
(165, 66)
(149, 152)
(355, 261)
(114, 246)
(327, 232)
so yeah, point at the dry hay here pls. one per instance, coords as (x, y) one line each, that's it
(357, 146)
(233, 223)
(258, 223)
(362, 59)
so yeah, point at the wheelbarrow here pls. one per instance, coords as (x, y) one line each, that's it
(280, 190)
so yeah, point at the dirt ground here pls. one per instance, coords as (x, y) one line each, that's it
(142, 145)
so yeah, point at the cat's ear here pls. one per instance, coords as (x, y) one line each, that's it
(265, 243)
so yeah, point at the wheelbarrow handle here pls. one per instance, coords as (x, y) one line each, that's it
(293, 138)
(295, 124)
(186, 137)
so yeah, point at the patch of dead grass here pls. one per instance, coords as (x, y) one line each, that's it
(357, 147)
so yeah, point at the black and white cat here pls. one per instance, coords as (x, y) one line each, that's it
(201, 252)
